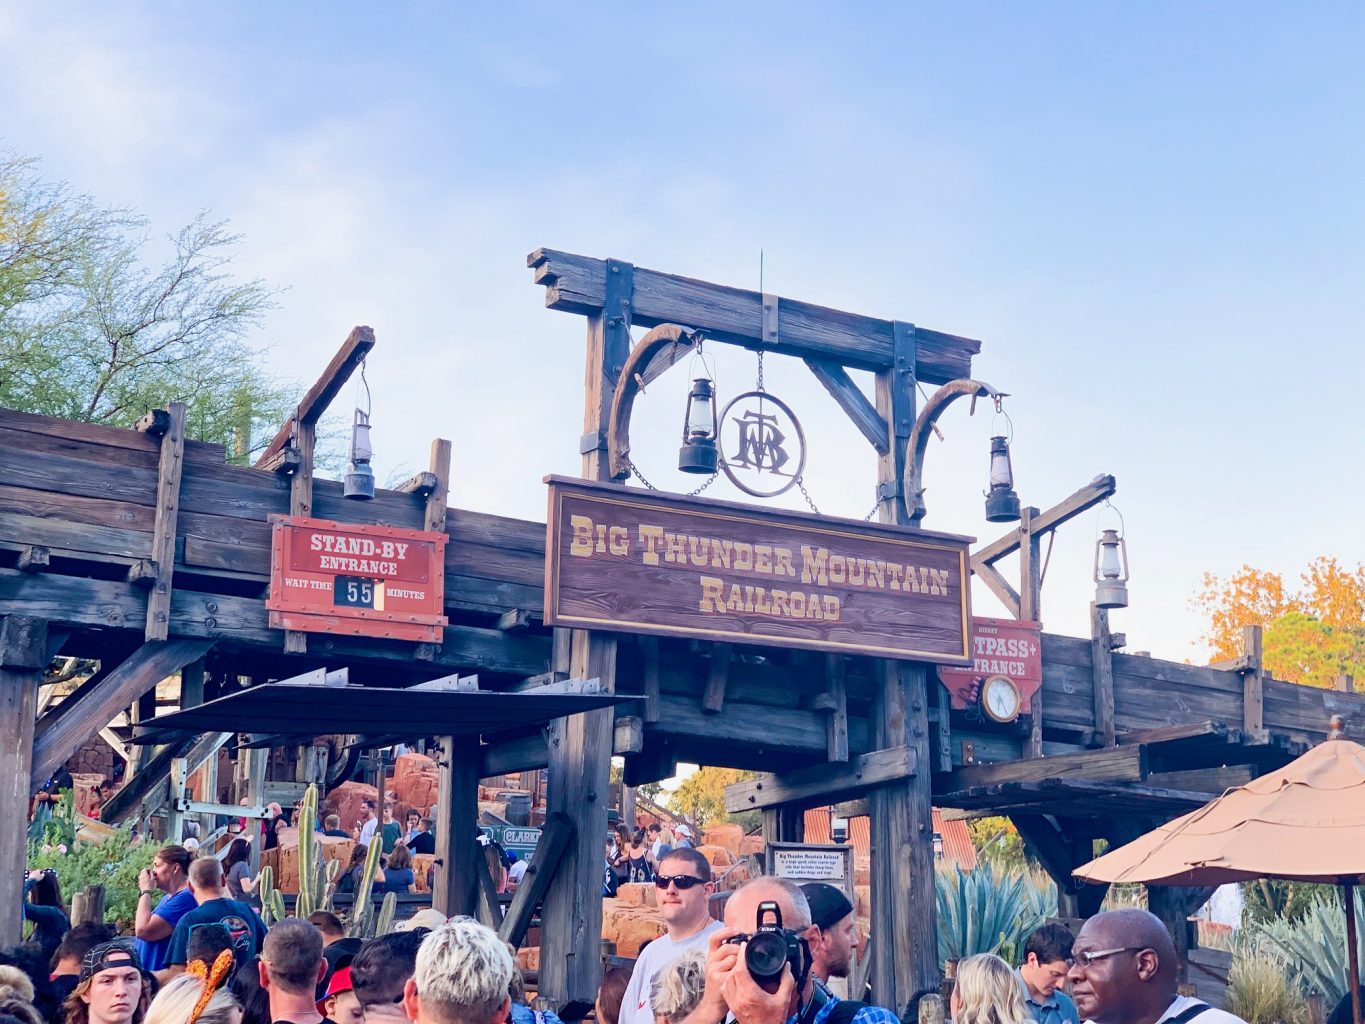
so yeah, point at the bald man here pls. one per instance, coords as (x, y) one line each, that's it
(731, 989)
(1124, 969)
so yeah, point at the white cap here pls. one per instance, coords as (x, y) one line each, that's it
(427, 917)
(683, 829)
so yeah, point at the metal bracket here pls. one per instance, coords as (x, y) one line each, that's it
(888, 489)
(226, 810)
(592, 441)
(770, 335)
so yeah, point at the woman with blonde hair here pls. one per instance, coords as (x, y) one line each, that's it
(197, 997)
(987, 991)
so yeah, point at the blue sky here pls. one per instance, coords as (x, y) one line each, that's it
(1150, 214)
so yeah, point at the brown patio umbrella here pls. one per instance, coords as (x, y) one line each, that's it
(1305, 822)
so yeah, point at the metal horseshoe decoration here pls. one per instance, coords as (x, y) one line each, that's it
(761, 438)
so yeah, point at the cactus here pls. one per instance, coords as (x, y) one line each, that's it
(362, 913)
(312, 889)
(383, 924)
(272, 902)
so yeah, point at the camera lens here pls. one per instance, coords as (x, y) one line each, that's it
(765, 954)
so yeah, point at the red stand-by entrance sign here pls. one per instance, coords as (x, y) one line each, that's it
(379, 581)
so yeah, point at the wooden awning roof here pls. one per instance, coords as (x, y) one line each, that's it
(309, 709)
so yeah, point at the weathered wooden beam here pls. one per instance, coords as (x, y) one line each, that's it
(301, 504)
(488, 908)
(577, 284)
(649, 652)
(783, 825)
(1122, 764)
(895, 391)
(1030, 610)
(1253, 682)
(1346, 683)
(142, 573)
(169, 468)
(142, 670)
(836, 746)
(1175, 733)
(1213, 781)
(155, 422)
(286, 462)
(852, 400)
(997, 585)
(23, 657)
(316, 400)
(628, 736)
(454, 884)
(34, 558)
(717, 675)
(421, 484)
(1098, 490)
(1102, 673)
(555, 835)
(514, 619)
(824, 783)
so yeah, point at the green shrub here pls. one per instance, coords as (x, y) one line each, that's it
(989, 911)
(1260, 991)
(114, 864)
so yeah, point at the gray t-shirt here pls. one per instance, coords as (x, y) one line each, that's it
(237, 874)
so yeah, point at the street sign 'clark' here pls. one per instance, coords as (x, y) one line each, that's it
(381, 581)
(622, 560)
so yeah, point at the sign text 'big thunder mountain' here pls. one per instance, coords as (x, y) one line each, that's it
(637, 562)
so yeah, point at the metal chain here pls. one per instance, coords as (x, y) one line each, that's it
(801, 486)
(868, 518)
(759, 385)
(691, 494)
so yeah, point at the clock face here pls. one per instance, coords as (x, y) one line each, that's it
(1000, 699)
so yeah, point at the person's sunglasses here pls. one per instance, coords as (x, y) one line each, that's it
(683, 882)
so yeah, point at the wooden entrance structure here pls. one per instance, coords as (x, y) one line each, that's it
(145, 551)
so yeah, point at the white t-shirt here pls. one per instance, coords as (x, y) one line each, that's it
(367, 831)
(635, 1008)
(1209, 1016)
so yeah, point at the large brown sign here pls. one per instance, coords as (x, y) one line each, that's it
(634, 562)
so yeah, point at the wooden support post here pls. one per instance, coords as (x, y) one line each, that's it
(257, 761)
(554, 839)
(1346, 683)
(1030, 600)
(836, 748)
(718, 674)
(785, 823)
(580, 746)
(23, 657)
(34, 558)
(140, 712)
(457, 816)
(1102, 673)
(649, 652)
(301, 504)
(1253, 681)
(905, 953)
(169, 467)
(943, 735)
(1174, 905)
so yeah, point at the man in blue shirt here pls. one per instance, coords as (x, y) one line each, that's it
(153, 926)
(1047, 957)
(242, 923)
(731, 989)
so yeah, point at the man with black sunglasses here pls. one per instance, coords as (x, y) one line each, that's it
(1124, 971)
(683, 889)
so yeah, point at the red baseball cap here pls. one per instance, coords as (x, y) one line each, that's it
(341, 982)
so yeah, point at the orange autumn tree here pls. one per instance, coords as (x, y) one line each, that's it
(1310, 635)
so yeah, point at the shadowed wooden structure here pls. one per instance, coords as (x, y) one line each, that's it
(145, 551)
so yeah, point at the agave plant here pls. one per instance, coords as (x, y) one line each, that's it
(1313, 947)
(980, 911)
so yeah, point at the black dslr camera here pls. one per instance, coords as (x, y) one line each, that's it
(771, 947)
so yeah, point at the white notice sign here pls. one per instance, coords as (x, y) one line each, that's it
(810, 865)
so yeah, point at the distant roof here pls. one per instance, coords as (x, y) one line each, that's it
(309, 709)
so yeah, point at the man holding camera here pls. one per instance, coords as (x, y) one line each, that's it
(758, 969)
(683, 895)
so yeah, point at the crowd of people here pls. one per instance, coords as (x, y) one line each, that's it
(202, 955)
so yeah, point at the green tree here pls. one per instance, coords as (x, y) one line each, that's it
(701, 796)
(89, 331)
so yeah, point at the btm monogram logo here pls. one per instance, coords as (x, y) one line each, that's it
(760, 443)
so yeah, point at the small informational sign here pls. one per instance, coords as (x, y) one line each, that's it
(380, 581)
(812, 862)
(1000, 647)
(635, 562)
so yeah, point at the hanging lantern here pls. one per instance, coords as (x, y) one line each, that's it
(1111, 571)
(1002, 504)
(698, 453)
(359, 483)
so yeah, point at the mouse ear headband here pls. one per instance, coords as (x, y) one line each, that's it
(212, 977)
